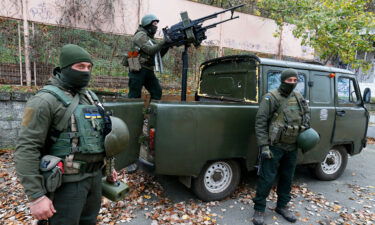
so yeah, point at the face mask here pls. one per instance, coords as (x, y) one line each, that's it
(286, 88)
(153, 29)
(74, 78)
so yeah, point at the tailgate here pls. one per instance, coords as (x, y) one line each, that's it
(130, 112)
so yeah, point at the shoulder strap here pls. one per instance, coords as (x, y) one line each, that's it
(282, 102)
(68, 101)
(58, 93)
(299, 98)
(68, 113)
(93, 96)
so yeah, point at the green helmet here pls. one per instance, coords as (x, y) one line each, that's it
(308, 139)
(117, 140)
(148, 19)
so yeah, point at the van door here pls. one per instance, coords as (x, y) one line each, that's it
(322, 113)
(130, 111)
(351, 116)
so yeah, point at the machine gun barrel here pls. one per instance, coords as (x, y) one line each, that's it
(215, 24)
(214, 15)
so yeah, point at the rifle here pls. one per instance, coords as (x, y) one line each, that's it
(189, 31)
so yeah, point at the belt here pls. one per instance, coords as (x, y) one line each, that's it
(91, 167)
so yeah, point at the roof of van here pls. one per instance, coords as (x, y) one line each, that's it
(306, 66)
(282, 63)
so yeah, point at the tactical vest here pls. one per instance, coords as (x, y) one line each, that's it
(289, 120)
(89, 123)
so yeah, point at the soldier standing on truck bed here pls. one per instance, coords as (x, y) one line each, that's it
(282, 116)
(145, 54)
(61, 147)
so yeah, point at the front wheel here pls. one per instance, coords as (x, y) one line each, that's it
(217, 180)
(333, 165)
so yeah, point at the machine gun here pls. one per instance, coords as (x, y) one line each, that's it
(189, 31)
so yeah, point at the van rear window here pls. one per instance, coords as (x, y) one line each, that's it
(273, 81)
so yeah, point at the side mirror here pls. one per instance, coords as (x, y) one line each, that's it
(367, 95)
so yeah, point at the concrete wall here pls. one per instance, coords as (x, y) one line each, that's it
(11, 112)
(250, 33)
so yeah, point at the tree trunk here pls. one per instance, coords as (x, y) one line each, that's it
(26, 42)
(20, 52)
(280, 49)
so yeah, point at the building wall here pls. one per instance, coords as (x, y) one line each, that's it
(250, 33)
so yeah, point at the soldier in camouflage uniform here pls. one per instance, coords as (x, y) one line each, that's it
(73, 194)
(282, 115)
(147, 47)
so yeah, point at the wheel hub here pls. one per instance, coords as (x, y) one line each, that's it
(332, 162)
(218, 177)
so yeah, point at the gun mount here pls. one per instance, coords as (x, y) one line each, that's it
(193, 32)
(188, 32)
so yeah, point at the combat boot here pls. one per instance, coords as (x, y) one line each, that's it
(258, 218)
(287, 214)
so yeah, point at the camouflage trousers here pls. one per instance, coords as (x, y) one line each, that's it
(77, 202)
(283, 164)
(146, 78)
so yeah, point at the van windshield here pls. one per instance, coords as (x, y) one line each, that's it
(273, 81)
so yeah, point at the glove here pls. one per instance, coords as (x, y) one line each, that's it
(266, 152)
(167, 39)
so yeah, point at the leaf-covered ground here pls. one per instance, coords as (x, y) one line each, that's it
(147, 199)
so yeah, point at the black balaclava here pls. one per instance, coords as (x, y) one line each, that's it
(71, 78)
(286, 88)
(75, 79)
(151, 29)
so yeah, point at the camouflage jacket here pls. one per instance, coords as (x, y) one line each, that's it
(42, 113)
(147, 47)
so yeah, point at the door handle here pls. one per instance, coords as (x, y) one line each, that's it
(341, 113)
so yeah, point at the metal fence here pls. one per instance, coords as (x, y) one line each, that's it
(106, 49)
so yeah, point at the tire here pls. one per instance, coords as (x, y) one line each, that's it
(217, 180)
(333, 165)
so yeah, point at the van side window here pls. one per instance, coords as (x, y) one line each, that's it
(273, 81)
(346, 91)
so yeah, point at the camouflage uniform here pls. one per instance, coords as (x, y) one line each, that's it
(78, 199)
(284, 158)
(147, 46)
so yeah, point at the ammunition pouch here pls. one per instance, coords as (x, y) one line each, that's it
(290, 134)
(134, 64)
(275, 133)
(132, 60)
(284, 134)
(51, 172)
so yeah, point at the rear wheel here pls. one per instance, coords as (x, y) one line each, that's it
(333, 165)
(217, 180)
